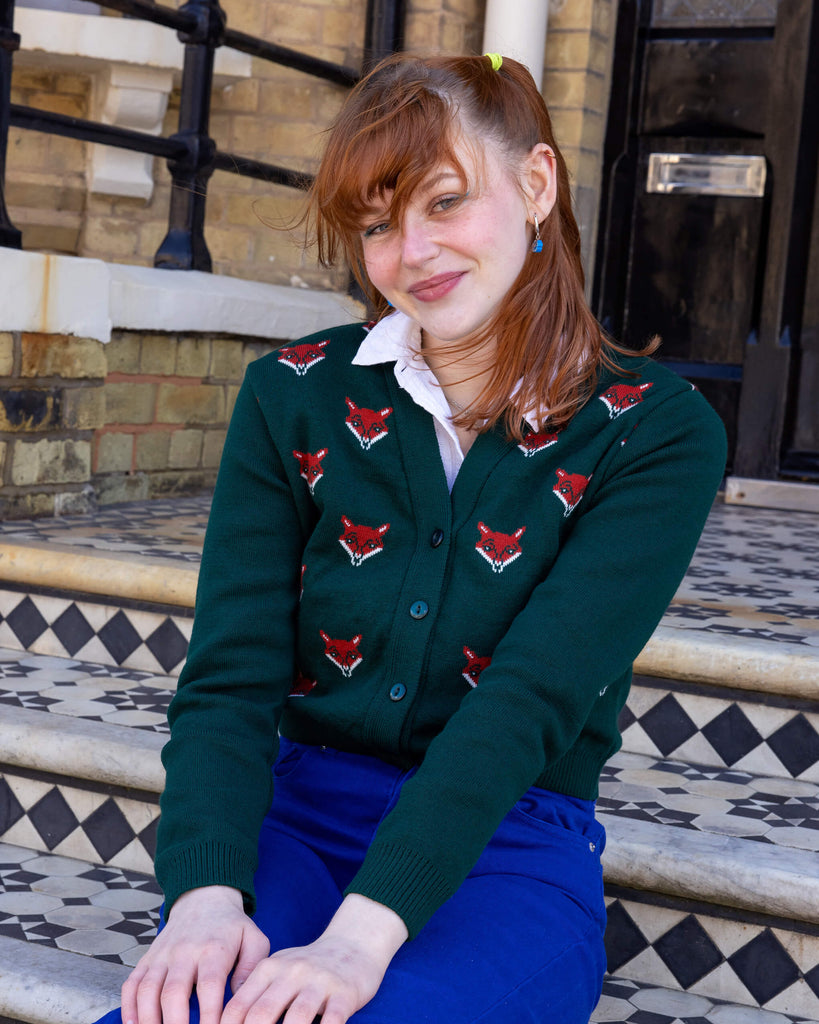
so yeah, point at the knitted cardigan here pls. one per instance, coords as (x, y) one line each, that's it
(347, 599)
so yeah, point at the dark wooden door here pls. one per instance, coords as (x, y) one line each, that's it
(708, 150)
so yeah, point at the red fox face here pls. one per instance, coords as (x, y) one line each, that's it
(533, 443)
(301, 357)
(621, 397)
(302, 685)
(310, 466)
(361, 542)
(344, 654)
(499, 549)
(474, 666)
(569, 489)
(367, 424)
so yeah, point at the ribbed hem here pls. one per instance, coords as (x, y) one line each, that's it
(212, 863)
(404, 881)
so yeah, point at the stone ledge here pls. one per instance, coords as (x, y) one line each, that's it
(49, 294)
(49, 986)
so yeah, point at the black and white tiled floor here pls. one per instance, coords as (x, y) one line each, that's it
(627, 1002)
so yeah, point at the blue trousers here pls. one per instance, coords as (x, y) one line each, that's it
(521, 941)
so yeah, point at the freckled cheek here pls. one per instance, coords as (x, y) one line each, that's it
(381, 270)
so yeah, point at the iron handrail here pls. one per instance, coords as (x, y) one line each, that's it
(191, 153)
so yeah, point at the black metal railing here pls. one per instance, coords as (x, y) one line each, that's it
(191, 153)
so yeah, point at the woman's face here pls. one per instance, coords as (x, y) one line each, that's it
(456, 253)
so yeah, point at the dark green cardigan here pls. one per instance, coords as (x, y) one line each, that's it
(555, 559)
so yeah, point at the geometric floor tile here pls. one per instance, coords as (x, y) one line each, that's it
(780, 811)
(628, 1002)
(731, 956)
(81, 823)
(104, 912)
(686, 722)
(95, 631)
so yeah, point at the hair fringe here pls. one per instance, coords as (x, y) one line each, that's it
(397, 123)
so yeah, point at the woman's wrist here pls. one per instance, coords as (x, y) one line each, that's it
(370, 924)
(210, 894)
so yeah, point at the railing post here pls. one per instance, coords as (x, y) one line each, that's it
(384, 32)
(9, 42)
(184, 245)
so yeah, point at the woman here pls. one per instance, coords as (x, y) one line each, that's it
(436, 546)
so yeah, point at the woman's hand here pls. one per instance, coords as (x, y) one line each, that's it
(333, 977)
(207, 934)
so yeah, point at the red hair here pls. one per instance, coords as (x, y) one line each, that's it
(400, 121)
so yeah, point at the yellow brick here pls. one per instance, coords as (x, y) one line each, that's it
(423, 32)
(122, 353)
(72, 83)
(108, 236)
(55, 355)
(190, 404)
(50, 462)
(212, 448)
(115, 453)
(158, 354)
(65, 155)
(337, 27)
(50, 194)
(240, 96)
(192, 357)
(28, 409)
(568, 49)
(469, 9)
(596, 97)
(152, 450)
(291, 23)
(244, 15)
(30, 78)
(26, 150)
(571, 14)
(83, 408)
(27, 506)
(290, 101)
(6, 354)
(71, 106)
(185, 449)
(226, 359)
(130, 402)
(603, 18)
(233, 244)
(565, 88)
(231, 394)
(453, 36)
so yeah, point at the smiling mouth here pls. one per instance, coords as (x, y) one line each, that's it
(436, 287)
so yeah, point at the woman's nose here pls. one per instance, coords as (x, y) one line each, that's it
(417, 242)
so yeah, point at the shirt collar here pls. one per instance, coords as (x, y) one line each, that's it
(397, 338)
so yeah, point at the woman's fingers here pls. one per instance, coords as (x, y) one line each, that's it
(255, 948)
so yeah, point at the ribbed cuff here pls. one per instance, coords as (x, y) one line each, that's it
(404, 881)
(213, 863)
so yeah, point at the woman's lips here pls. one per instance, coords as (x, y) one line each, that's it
(436, 287)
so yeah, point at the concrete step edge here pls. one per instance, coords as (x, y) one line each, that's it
(43, 985)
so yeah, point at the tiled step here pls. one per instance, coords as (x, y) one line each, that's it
(81, 773)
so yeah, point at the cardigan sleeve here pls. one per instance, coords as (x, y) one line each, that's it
(239, 671)
(581, 629)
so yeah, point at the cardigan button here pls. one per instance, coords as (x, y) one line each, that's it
(419, 609)
(437, 538)
(398, 692)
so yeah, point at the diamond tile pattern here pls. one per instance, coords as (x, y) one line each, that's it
(46, 624)
(744, 732)
(733, 958)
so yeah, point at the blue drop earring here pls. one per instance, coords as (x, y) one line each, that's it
(537, 245)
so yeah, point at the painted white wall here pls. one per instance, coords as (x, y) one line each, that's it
(517, 28)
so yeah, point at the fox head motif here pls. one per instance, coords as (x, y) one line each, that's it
(533, 443)
(367, 424)
(361, 542)
(619, 398)
(570, 488)
(310, 466)
(499, 549)
(301, 685)
(475, 664)
(301, 357)
(344, 654)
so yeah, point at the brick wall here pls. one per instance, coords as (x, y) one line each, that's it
(82, 423)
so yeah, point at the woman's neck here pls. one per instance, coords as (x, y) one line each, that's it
(462, 375)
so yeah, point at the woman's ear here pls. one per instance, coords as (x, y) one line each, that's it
(540, 180)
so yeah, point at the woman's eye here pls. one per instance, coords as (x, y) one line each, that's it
(447, 202)
(376, 229)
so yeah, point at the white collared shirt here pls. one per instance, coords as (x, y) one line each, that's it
(398, 338)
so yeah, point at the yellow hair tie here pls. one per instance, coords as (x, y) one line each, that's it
(495, 60)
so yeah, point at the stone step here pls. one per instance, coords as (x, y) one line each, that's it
(69, 931)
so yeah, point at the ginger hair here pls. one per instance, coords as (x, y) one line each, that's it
(402, 120)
